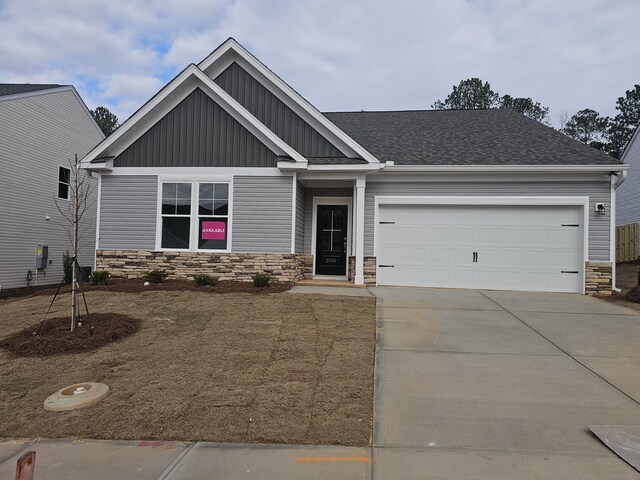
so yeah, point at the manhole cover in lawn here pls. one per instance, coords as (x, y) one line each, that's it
(75, 396)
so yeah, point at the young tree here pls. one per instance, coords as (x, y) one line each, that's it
(588, 127)
(472, 93)
(527, 107)
(106, 120)
(74, 212)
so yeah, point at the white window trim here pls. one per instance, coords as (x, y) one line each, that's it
(58, 197)
(314, 227)
(493, 201)
(194, 216)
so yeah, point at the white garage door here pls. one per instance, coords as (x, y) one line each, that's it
(494, 247)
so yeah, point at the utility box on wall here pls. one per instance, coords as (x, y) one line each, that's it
(42, 256)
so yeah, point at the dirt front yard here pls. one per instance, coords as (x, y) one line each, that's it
(237, 367)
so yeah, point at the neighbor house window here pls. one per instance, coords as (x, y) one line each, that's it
(176, 215)
(213, 216)
(64, 180)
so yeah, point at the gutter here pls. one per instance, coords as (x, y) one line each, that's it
(390, 167)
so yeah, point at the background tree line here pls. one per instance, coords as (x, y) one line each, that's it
(609, 134)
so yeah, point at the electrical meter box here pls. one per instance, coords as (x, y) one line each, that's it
(42, 256)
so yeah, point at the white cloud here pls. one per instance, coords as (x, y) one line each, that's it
(340, 55)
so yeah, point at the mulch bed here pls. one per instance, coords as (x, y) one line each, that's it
(98, 330)
(136, 285)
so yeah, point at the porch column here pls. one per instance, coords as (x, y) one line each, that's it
(359, 211)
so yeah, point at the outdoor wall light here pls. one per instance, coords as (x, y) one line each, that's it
(600, 210)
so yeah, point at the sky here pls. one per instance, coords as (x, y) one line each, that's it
(340, 55)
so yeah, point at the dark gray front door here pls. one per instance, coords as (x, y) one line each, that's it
(331, 240)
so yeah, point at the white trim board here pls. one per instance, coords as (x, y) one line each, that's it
(581, 201)
(194, 172)
(314, 221)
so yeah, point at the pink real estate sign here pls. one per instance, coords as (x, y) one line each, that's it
(213, 231)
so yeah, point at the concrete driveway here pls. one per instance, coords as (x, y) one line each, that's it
(501, 385)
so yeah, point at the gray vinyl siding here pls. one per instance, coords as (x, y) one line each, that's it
(38, 134)
(267, 108)
(598, 192)
(308, 209)
(261, 217)
(128, 207)
(628, 194)
(300, 226)
(197, 133)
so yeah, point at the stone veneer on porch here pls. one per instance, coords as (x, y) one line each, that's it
(286, 267)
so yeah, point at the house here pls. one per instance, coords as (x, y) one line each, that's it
(42, 127)
(628, 195)
(228, 170)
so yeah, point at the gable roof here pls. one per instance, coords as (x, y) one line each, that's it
(231, 51)
(18, 88)
(165, 100)
(464, 137)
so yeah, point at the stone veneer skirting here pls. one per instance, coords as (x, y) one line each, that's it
(598, 276)
(369, 270)
(286, 267)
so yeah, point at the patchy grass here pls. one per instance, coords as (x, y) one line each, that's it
(240, 367)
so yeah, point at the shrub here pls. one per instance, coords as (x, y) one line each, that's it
(261, 280)
(100, 277)
(204, 279)
(67, 267)
(156, 276)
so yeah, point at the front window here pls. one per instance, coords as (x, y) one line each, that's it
(176, 215)
(213, 215)
(64, 181)
(210, 218)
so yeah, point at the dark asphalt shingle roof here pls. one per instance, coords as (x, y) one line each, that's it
(16, 88)
(464, 137)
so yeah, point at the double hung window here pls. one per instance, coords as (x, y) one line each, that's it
(204, 227)
(64, 182)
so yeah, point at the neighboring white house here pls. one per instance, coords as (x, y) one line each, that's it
(42, 127)
(628, 195)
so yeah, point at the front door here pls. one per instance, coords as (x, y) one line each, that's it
(331, 240)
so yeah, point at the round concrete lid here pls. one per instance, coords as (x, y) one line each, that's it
(76, 396)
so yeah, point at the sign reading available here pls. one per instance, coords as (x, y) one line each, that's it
(213, 231)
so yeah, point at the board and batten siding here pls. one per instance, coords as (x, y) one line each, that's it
(300, 226)
(197, 133)
(598, 192)
(628, 194)
(271, 111)
(261, 217)
(128, 207)
(38, 134)
(308, 209)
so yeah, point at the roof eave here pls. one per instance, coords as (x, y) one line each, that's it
(506, 168)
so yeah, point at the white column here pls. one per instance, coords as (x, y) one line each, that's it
(359, 211)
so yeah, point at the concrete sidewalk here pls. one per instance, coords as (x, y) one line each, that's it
(150, 460)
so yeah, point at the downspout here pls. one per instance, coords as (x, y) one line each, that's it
(616, 179)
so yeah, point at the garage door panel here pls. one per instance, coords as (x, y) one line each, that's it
(518, 247)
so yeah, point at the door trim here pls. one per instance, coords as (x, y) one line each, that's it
(314, 225)
(580, 201)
